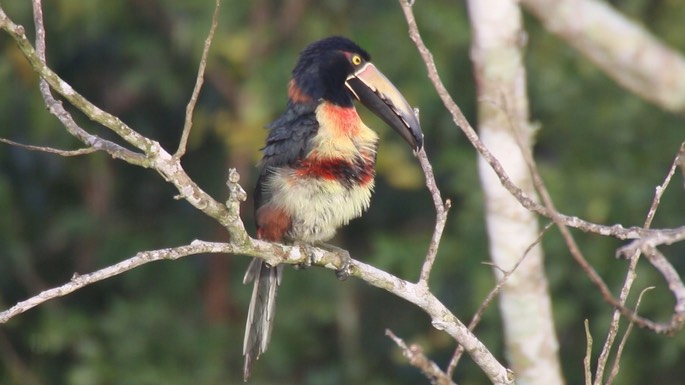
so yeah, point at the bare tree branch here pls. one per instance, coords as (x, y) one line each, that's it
(441, 209)
(55, 107)
(77, 100)
(675, 284)
(442, 318)
(681, 163)
(641, 62)
(416, 358)
(272, 253)
(619, 352)
(587, 360)
(188, 125)
(616, 317)
(82, 151)
(658, 238)
(475, 320)
(657, 259)
(142, 257)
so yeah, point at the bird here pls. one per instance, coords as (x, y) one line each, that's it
(317, 169)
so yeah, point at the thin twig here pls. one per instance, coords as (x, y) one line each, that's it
(675, 284)
(587, 360)
(141, 258)
(441, 209)
(82, 151)
(659, 190)
(619, 352)
(55, 107)
(660, 238)
(616, 317)
(657, 238)
(475, 320)
(681, 163)
(63, 88)
(416, 358)
(198, 85)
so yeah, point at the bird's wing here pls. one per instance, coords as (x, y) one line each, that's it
(289, 136)
(288, 142)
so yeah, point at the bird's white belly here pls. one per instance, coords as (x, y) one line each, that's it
(318, 207)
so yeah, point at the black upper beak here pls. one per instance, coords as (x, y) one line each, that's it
(380, 96)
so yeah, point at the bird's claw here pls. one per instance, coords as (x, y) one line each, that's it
(308, 258)
(344, 272)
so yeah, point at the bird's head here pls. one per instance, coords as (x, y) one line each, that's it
(337, 70)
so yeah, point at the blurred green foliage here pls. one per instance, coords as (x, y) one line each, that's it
(601, 151)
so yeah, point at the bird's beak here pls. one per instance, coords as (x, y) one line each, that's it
(380, 96)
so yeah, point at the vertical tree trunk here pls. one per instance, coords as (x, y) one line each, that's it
(498, 37)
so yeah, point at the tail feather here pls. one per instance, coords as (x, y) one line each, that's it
(262, 308)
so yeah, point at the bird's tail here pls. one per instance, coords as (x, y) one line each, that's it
(260, 316)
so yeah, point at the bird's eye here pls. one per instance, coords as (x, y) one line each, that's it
(356, 60)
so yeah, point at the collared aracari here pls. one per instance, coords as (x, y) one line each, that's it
(317, 171)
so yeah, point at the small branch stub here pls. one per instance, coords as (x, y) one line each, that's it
(237, 193)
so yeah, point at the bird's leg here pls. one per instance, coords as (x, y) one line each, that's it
(344, 272)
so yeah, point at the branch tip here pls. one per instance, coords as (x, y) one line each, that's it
(199, 80)
(414, 353)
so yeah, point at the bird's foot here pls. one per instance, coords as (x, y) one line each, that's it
(308, 257)
(344, 271)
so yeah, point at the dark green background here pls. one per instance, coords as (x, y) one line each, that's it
(601, 150)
